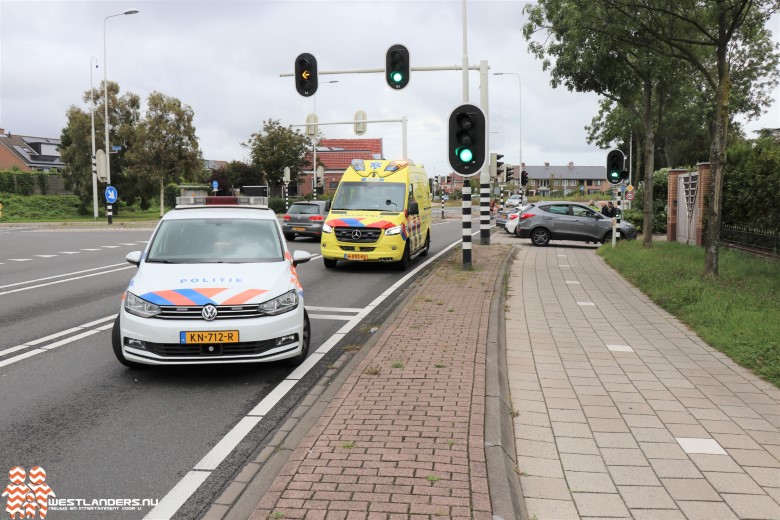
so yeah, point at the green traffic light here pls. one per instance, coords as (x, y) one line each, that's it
(614, 175)
(397, 77)
(465, 154)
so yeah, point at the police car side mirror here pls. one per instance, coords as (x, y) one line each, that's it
(414, 208)
(301, 257)
(134, 257)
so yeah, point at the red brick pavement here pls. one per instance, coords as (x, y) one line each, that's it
(404, 437)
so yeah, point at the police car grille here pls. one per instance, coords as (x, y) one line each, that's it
(228, 349)
(345, 234)
(224, 312)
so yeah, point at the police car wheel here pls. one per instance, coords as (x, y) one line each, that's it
(300, 358)
(116, 343)
(427, 245)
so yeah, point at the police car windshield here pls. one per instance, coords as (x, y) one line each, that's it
(212, 240)
(370, 196)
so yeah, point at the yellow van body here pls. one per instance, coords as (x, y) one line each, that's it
(381, 212)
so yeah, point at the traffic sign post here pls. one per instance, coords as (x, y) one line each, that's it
(214, 186)
(111, 198)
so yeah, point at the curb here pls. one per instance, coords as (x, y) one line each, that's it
(500, 453)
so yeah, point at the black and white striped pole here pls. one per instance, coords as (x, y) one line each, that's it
(286, 180)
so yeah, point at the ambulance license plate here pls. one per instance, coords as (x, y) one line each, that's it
(355, 256)
(213, 336)
(299, 229)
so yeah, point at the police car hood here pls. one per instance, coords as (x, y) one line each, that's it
(218, 284)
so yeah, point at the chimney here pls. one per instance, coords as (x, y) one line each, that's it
(2, 131)
(571, 164)
(546, 165)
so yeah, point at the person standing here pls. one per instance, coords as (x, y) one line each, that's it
(592, 205)
(608, 210)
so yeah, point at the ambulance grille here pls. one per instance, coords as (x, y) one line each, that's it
(357, 234)
(224, 312)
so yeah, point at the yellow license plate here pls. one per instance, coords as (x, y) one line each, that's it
(354, 256)
(299, 229)
(214, 336)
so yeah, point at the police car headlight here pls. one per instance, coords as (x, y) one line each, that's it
(326, 228)
(284, 303)
(393, 230)
(140, 307)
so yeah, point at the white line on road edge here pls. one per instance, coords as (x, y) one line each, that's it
(60, 275)
(329, 317)
(20, 356)
(334, 309)
(228, 442)
(177, 496)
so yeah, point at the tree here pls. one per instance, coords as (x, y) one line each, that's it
(276, 147)
(726, 43)
(76, 141)
(165, 149)
(236, 174)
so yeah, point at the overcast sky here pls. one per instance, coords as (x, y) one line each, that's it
(224, 58)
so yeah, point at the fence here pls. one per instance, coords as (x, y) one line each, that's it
(751, 238)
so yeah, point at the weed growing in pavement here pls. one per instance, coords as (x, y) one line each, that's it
(514, 413)
(506, 307)
(432, 478)
(276, 514)
(397, 364)
(450, 310)
(373, 371)
(439, 365)
(736, 312)
(450, 443)
(439, 302)
(351, 347)
(348, 444)
(427, 299)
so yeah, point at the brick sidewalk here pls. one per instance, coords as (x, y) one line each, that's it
(622, 410)
(404, 437)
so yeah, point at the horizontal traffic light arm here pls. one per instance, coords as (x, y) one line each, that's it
(382, 70)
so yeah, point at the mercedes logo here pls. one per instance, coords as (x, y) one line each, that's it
(356, 234)
(209, 312)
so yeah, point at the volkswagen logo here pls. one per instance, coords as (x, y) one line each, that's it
(209, 312)
(356, 234)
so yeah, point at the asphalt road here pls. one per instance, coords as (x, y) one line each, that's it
(101, 430)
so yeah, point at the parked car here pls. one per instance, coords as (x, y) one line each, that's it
(513, 218)
(560, 220)
(304, 219)
(514, 200)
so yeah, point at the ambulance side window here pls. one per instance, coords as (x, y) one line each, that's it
(411, 192)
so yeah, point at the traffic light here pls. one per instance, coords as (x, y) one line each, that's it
(397, 66)
(495, 164)
(510, 171)
(306, 81)
(467, 139)
(615, 163)
(524, 178)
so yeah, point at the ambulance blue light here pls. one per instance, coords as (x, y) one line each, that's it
(358, 165)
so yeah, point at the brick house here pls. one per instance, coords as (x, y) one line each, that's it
(569, 179)
(27, 153)
(335, 155)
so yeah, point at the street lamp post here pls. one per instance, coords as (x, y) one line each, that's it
(520, 111)
(105, 100)
(314, 151)
(94, 159)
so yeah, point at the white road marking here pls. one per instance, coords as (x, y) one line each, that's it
(69, 252)
(176, 497)
(223, 448)
(66, 280)
(13, 349)
(110, 247)
(46, 256)
(329, 317)
(20, 259)
(90, 249)
(57, 335)
(334, 309)
(127, 244)
(61, 275)
(69, 340)
(20, 357)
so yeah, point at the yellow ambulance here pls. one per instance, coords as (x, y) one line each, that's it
(381, 213)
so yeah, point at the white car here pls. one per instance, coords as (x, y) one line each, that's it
(216, 284)
(513, 200)
(513, 218)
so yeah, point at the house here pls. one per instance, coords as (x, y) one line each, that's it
(570, 179)
(27, 153)
(335, 155)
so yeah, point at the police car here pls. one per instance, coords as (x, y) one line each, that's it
(216, 284)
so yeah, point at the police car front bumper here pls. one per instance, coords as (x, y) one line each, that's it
(155, 341)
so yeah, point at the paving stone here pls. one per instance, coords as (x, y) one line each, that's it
(578, 462)
(545, 487)
(633, 476)
(562, 429)
(706, 510)
(600, 504)
(760, 458)
(577, 445)
(652, 435)
(608, 425)
(721, 463)
(662, 450)
(587, 482)
(644, 497)
(550, 509)
(644, 421)
(753, 506)
(623, 457)
(655, 514)
(766, 477)
(733, 483)
(690, 489)
(669, 468)
(614, 440)
(540, 467)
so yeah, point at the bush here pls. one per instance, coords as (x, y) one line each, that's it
(277, 205)
(660, 189)
(38, 207)
(171, 192)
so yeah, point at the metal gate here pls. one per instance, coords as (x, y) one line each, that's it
(687, 207)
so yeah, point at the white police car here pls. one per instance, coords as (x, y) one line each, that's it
(216, 284)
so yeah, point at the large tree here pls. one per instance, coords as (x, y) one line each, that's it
(276, 147)
(76, 141)
(236, 174)
(165, 149)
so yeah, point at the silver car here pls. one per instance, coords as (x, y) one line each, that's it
(560, 220)
(305, 219)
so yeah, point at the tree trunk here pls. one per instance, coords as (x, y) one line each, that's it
(717, 158)
(649, 152)
(162, 197)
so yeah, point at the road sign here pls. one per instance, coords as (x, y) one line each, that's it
(214, 185)
(116, 147)
(360, 122)
(630, 187)
(311, 125)
(286, 177)
(111, 194)
(629, 195)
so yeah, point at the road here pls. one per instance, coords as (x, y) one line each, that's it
(101, 430)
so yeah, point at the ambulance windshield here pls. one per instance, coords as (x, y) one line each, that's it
(370, 196)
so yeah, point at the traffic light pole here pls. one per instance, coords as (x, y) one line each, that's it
(484, 175)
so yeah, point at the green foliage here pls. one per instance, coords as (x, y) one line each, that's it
(277, 205)
(48, 208)
(171, 192)
(276, 147)
(236, 174)
(43, 183)
(736, 312)
(752, 184)
(660, 187)
(23, 182)
(7, 184)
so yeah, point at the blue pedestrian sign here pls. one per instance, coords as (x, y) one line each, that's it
(214, 185)
(111, 194)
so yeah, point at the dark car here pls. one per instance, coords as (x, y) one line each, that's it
(304, 219)
(557, 220)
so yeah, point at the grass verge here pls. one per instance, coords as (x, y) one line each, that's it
(738, 312)
(64, 208)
